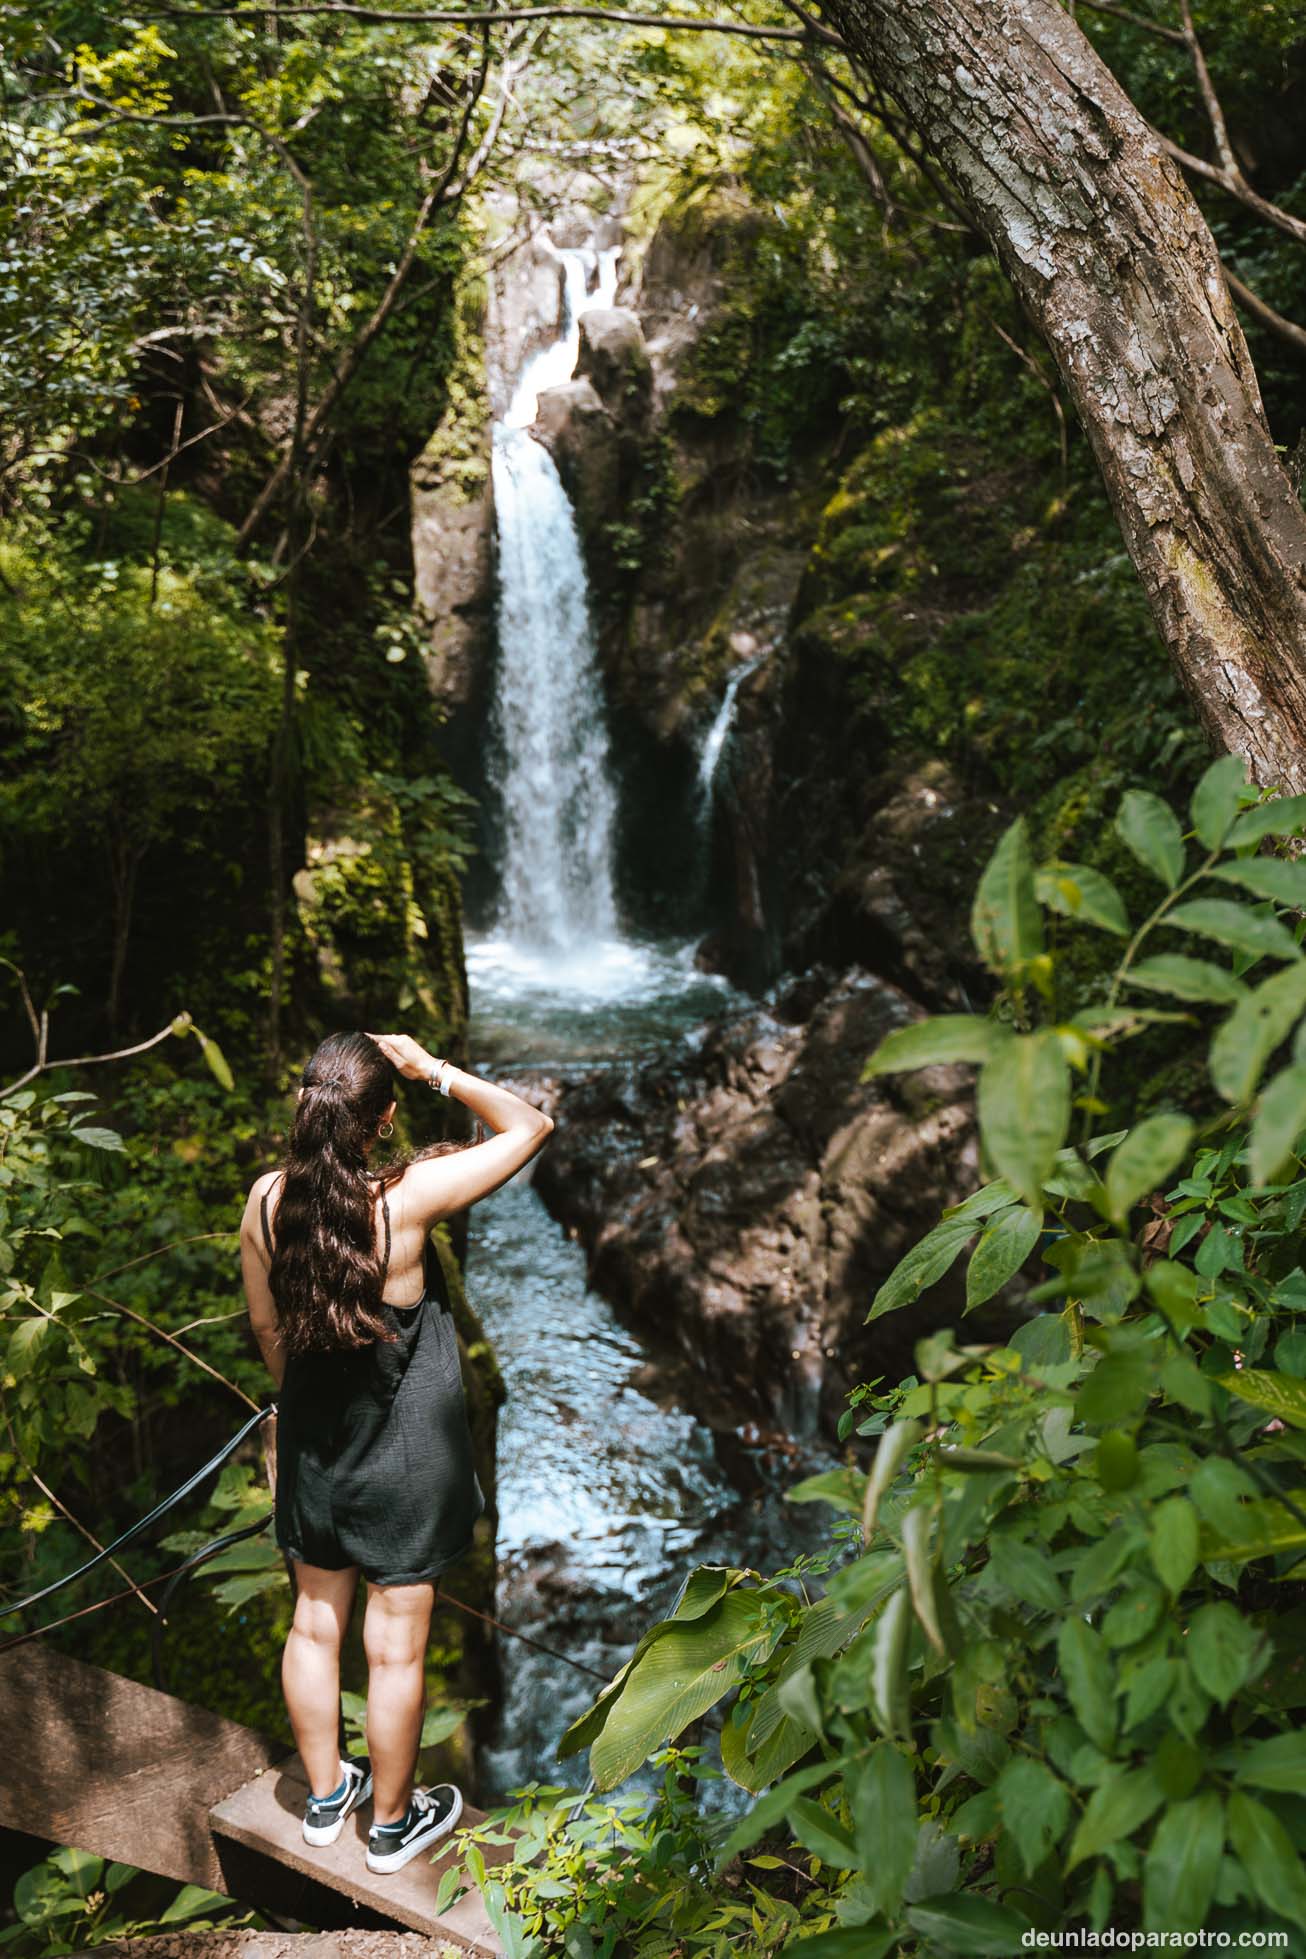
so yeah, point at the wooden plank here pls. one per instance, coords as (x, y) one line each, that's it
(115, 1768)
(266, 1816)
(280, 1945)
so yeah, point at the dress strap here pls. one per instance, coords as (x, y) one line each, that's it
(263, 1220)
(385, 1213)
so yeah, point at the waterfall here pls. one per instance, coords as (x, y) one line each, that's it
(552, 768)
(710, 753)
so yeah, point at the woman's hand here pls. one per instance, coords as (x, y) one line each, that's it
(406, 1055)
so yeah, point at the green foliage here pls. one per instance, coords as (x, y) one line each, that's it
(1058, 1679)
(75, 1900)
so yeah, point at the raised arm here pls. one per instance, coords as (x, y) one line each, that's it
(441, 1185)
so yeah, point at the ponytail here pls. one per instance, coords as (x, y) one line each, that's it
(326, 1277)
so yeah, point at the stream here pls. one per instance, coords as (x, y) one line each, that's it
(609, 1490)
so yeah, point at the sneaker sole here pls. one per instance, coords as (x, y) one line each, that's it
(398, 1858)
(319, 1835)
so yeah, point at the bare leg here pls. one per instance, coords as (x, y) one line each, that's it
(310, 1669)
(395, 1629)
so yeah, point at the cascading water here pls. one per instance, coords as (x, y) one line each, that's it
(607, 1493)
(553, 770)
(710, 754)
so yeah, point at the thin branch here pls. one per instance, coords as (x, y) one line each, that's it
(453, 17)
(89, 1060)
(1236, 186)
(1261, 310)
(1027, 360)
(83, 1529)
(444, 190)
(175, 1244)
(1155, 27)
(162, 1334)
(1206, 87)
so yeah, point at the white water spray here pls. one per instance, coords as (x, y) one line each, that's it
(710, 754)
(553, 770)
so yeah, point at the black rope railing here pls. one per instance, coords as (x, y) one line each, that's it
(142, 1524)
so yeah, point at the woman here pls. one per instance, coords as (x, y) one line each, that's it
(351, 1313)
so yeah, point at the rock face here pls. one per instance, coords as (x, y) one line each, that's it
(743, 1199)
(594, 426)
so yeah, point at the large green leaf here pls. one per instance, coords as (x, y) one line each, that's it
(821, 1833)
(1174, 1541)
(961, 1921)
(679, 1676)
(1283, 817)
(941, 1038)
(1186, 979)
(1024, 1110)
(890, 1701)
(1256, 933)
(1216, 798)
(1264, 1528)
(699, 1593)
(1279, 1120)
(1090, 1680)
(1151, 830)
(885, 1824)
(824, 1628)
(771, 1810)
(1024, 1571)
(1244, 1043)
(1281, 878)
(1222, 1649)
(757, 1768)
(1278, 1394)
(1183, 1864)
(1003, 1248)
(1078, 891)
(1035, 1808)
(1006, 923)
(894, 1446)
(923, 1266)
(1278, 1764)
(1115, 1810)
(1145, 1160)
(1268, 1856)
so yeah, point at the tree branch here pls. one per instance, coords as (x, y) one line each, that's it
(454, 17)
(42, 1062)
(1261, 310)
(444, 190)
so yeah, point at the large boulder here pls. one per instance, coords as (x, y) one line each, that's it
(613, 356)
(742, 1200)
(580, 434)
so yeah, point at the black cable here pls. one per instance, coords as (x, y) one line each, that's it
(134, 1530)
(193, 1563)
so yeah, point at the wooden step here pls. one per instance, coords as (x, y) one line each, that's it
(265, 1815)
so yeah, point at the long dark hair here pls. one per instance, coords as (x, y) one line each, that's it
(326, 1275)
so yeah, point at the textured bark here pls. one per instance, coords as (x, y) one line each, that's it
(1114, 262)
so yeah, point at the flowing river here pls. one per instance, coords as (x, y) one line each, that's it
(609, 1492)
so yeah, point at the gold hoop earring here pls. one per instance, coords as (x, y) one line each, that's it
(385, 1129)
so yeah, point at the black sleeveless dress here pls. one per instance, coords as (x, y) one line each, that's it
(374, 1455)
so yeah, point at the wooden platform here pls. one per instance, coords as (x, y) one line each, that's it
(264, 1816)
(116, 1768)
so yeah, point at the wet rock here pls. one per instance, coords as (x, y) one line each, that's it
(581, 435)
(742, 1200)
(613, 356)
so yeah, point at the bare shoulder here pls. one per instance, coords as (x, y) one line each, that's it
(260, 1188)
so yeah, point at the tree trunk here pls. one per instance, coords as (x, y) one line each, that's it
(1114, 262)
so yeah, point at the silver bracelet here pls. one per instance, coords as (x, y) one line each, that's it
(439, 1077)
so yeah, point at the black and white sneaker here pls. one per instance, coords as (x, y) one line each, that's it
(432, 1813)
(324, 1816)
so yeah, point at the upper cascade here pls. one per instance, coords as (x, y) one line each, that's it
(552, 763)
